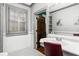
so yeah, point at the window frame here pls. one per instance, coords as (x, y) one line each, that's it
(8, 19)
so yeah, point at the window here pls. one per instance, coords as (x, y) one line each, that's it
(17, 20)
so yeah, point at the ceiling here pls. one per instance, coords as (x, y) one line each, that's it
(28, 4)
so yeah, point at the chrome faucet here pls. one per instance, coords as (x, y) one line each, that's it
(58, 39)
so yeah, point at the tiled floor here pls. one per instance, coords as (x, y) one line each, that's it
(33, 52)
(26, 52)
(41, 49)
(65, 53)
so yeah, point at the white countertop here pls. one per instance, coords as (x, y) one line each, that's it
(71, 46)
(63, 36)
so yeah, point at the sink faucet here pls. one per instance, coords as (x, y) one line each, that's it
(59, 39)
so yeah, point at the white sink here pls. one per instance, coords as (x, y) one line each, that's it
(47, 39)
(3, 54)
(51, 40)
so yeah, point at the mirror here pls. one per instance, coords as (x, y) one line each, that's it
(65, 20)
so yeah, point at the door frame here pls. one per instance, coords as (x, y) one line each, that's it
(1, 28)
(35, 24)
